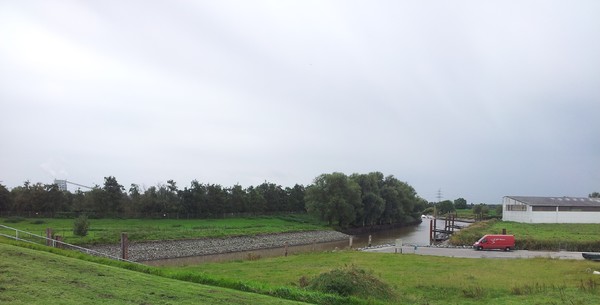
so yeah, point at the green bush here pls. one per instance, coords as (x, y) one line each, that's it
(81, 225)
(351, 281)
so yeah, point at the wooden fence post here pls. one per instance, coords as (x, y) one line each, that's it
(48, 237)
(124, 246)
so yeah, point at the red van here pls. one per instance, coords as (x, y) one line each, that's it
(504, 242)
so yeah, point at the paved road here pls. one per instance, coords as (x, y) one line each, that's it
(471, 253)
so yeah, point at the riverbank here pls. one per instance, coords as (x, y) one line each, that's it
(154, 250)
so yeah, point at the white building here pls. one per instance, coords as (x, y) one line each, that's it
(551, 209)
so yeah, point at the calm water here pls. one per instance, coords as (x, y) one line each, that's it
(415, 235)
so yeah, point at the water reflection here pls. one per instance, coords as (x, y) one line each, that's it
(414, 235)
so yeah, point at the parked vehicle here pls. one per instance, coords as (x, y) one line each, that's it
(502, 242)
(591, 256)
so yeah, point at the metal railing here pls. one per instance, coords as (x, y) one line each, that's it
(28, 237)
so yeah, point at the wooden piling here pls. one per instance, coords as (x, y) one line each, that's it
(431, 232)
(124, 246)
(285, 245)
(350, 242)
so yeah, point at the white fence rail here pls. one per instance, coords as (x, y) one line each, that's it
(24, 236)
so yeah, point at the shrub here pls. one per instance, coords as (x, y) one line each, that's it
(351, 281)
(81, 225)
(38, 222)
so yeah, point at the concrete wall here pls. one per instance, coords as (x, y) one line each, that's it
(517, 216)
(565, 217)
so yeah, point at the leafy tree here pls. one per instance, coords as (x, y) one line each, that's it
(256, 201)
(335, 198)
(216, 197)
(5, 199)
(237, 200)
(275, 196)
(295, 197)
(594, 195)
(480, 210)
(79, 202)
(132, 203)
(460, 204)
(168, 198)
(372, 205)
(445, 207)
(113, 197)
(193, 199)
(53, 199)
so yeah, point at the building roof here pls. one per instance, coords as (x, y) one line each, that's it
(557, 201)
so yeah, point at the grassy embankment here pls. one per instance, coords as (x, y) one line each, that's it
(30, 276)
(36, 274)
(34, 277)
(109, 230)
(569, 237)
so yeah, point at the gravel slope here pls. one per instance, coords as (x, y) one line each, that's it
(142, 251)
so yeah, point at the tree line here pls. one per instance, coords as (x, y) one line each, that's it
(345, 201)
(111, 199)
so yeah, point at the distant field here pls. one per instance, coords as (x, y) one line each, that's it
(573, 237)
(432, 280)
(468, 213)
(109, 230)
(34, 277)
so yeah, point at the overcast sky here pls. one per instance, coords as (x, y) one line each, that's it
(480, 99)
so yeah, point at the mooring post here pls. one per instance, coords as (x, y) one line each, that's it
(350, 241)
(369, 240)
(124, 246)
(285, 245)
(503, 231)
(430, 231)
(48, 237)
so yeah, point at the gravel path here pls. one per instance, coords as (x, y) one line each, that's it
(143, 251)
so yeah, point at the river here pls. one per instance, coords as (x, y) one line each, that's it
(413, 235)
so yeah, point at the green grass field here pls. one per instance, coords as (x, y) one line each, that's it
(35, 277)
(468, 213)
(109, 230)
(432, 280)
